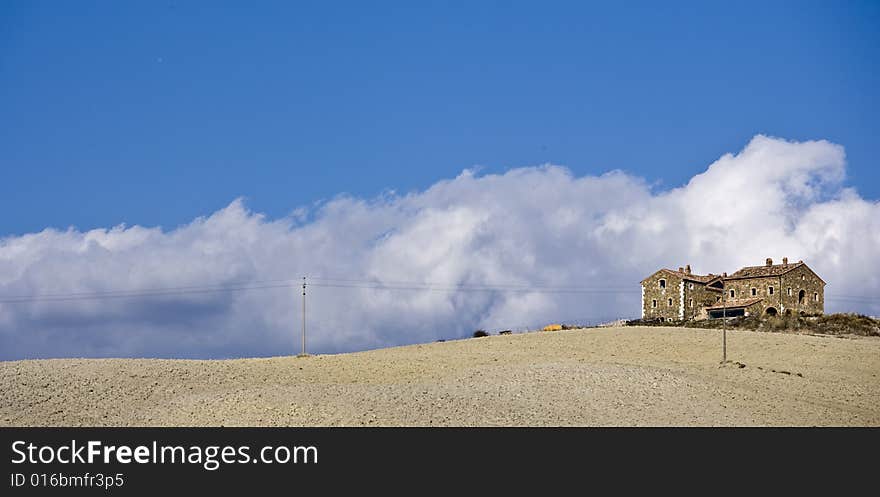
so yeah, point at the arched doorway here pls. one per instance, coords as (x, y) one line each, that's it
(788, 312)
(771, 311)
(801, 295)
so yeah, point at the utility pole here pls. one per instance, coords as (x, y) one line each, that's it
(723, 325)
(304, 319)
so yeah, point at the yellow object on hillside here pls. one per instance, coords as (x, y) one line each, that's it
(553, 327)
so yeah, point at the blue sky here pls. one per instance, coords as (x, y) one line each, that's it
(738, 131)
(154, 113)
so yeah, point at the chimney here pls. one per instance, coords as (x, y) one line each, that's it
(769, 261)
(680, 269)
(687, 269)
(724, 275)
(785, 261)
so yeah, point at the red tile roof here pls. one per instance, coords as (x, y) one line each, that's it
(759, 271)
(700, 278)
(746, 272)
(774, 270)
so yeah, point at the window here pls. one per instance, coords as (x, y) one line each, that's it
(691, 302)
(804, 277)
(690, 286)
(789, 292)
(770, 290)
(815, 297)
(670, 302)
(654, 303)
(717, 299)
(754, 291)
(662, 283)
(732, 293)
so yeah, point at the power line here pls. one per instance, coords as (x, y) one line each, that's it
(226, 286)
(866, 299)
(461, 285)
(478, 289)
(290, 283)
(352, 283)
(123, 294)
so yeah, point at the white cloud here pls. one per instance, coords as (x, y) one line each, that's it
(537, 225)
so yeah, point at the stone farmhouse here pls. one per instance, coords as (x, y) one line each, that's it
(766, 290)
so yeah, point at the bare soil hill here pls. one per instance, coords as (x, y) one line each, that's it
(630, 376)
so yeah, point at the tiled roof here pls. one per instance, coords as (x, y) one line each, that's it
(746, 272)
(735, 303)
(701, 278)
(759, 271)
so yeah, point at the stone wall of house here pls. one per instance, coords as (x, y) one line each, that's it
(742, 289)
(653, 292)
(696, 297)
(799, 291)
(813, 302)
(785, 296)
(756, 309)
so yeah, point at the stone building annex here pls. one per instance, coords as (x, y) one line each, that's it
(770, 290)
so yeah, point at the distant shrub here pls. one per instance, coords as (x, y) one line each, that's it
(480, 333)
(505, 332)
(852, 324)
(644, 322)
(827, 324)
(653, 322)
(776, 323)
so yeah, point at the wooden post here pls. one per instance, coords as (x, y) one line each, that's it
(724, 325)
(304, 318)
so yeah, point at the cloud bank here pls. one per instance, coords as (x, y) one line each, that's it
(538, 226)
